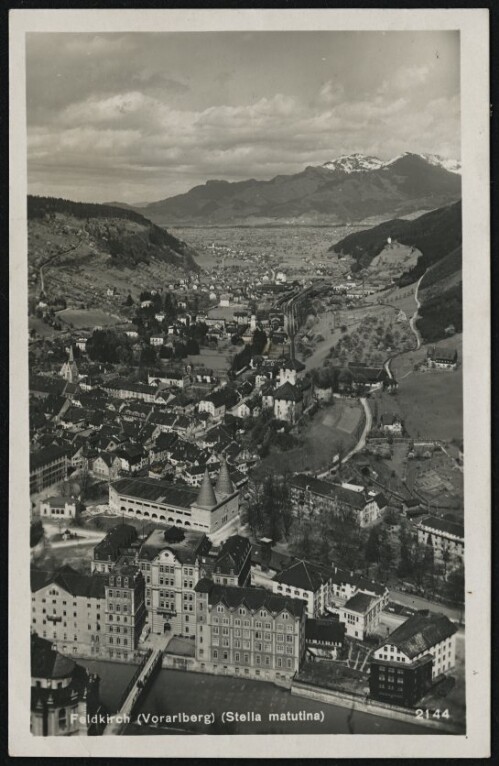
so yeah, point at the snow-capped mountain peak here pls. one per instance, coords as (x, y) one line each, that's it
(354, 163)
(361, 163)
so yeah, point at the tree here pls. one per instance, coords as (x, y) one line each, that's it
(109, 346)
(372, 546)
(455, 585)
(129, 300)
(192, 347)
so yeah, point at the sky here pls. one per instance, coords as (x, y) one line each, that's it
(139, 117)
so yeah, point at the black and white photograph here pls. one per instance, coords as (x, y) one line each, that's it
(246, 353)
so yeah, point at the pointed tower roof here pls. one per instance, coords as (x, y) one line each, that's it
(224, 485)
(71, 354)
(206, 497)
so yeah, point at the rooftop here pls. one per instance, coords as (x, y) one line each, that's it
(187, 550)
(420, 632)
(252, 598)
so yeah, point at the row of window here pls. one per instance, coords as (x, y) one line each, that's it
(245, 659)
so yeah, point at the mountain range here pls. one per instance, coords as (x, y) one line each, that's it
(351, 188)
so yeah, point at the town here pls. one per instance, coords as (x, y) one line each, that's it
(230, 475)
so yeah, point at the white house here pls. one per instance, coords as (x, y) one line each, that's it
(422, 634)
(58, 507)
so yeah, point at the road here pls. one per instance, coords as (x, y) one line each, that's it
(412, 320)
(367, 427)
(418, 602)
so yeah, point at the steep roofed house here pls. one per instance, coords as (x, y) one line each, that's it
(233, 562)
(442, 358)
(422, 634)
(116, 542)
(310, 582)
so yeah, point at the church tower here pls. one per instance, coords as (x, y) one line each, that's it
(69, 369)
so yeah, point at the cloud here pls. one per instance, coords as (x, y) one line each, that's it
(406, 78)
(141, 135)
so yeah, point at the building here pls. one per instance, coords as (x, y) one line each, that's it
(125, 611)
(423, 633)
(442, 358)
(172, 561)
(58, 507)
(391, 424)
(67, 607)
(248, 632)
(217, 403)
(106, 466)
(174, 378)
(307, 581)
(288, 402)
(445, 537)
(402, 685)
(69, 370)
(310, 496)
(361, 614)
(290, 371)
(117, 542)
(324, 639)
(48, 466)
(233, 563)
(63, 693)
(204, 509)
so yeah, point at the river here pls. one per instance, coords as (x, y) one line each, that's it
(174, 691)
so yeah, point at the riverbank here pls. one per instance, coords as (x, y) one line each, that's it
(175, 692)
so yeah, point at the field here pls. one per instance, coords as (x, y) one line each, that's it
(87, 318)
(332, 430)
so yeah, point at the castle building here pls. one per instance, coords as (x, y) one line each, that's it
(248, 632)
(63, 693)
(205, 509)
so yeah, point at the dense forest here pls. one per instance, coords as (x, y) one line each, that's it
(439, 313)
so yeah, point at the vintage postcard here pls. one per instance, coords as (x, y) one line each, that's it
(250, 416)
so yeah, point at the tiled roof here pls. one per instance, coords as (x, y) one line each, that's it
(192, 545)
(67, 578)
(162, 492)
(442, 525)
(252, 598)
(359, 603)
(420, 632)
(302, 574)
(46, 662)
(330, 631)
(288, 393)
(233, 554)
(45, 456)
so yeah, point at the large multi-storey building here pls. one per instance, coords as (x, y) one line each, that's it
(206, 509)
(125, 611)
(172, 561)
(310, 496)
(47, 466)
(307, 581)
(84, 614)
(248, 632)
(67, 607)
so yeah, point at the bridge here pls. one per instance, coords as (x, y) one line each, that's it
(138, 683)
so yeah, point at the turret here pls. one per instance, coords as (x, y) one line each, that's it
(206, 497)
(224, 485)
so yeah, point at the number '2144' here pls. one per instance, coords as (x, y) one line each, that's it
(425, 713)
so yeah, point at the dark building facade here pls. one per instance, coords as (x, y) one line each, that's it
(400, 684)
